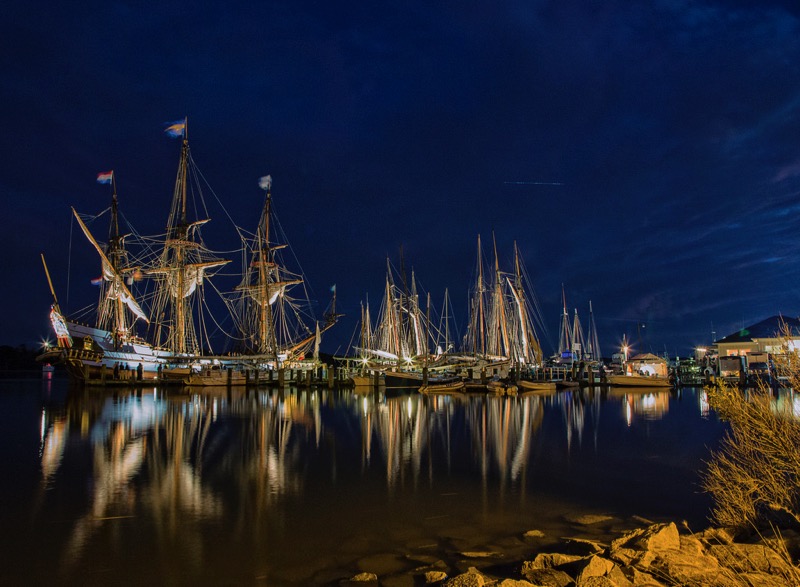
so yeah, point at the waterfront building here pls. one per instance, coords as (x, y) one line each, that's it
(766, 336)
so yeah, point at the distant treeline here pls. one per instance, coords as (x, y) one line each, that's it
(18, 358)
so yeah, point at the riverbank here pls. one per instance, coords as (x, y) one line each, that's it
(652, 555)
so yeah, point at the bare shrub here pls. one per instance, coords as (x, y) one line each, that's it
(754, 477)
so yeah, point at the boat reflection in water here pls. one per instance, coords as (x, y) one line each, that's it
(649, 403)
(296, 486)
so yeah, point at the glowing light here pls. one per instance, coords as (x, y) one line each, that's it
(705, 407)
(795, 405)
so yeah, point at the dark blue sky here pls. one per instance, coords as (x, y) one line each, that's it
(671, 127)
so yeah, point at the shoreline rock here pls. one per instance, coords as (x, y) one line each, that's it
(657, 555)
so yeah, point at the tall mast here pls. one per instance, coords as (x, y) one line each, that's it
(501, 327)
(481, 310)
(182, 267)
(446, 321)
(391, 305)
(267, 335)
(264, 283)
(523, 317)
(420, 342)
(427, 327)
(115, 253)
(180, 240)
(114, 294)
(564, 339)
(577, 337)
(367, 339)
(363, 338)
(593, 341)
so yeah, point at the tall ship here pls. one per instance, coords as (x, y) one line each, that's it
(410, 348)
(397, 346)
(152, 320)
(405, 347)
(501, 334)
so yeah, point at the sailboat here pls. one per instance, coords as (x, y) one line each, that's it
(399, 345)
(526, 352)
(578, 344)
(592, 349)
(501, 336)
(361, 376)
(487, 339)
(269, 329)
(565, 343)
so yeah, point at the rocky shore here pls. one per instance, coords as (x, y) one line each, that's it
(653, 555)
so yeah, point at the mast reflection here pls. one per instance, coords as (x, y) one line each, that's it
(171, 456)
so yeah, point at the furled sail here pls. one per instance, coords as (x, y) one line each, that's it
(117, 289)
(193, 275)
(523, 327)
(379, 353)
(271, 292)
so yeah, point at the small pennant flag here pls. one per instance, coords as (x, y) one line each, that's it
(176, 129)
(105, 177)
(265, 183)
(97, 281)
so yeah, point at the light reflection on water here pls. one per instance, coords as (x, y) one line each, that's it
(230, 485)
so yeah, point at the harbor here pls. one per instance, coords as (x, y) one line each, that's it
(398, 295)
(160, 318)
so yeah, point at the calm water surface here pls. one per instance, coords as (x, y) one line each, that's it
(304, 487)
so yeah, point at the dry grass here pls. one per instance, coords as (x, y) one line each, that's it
(755, 475)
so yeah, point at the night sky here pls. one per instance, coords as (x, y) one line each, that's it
(646, 155)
